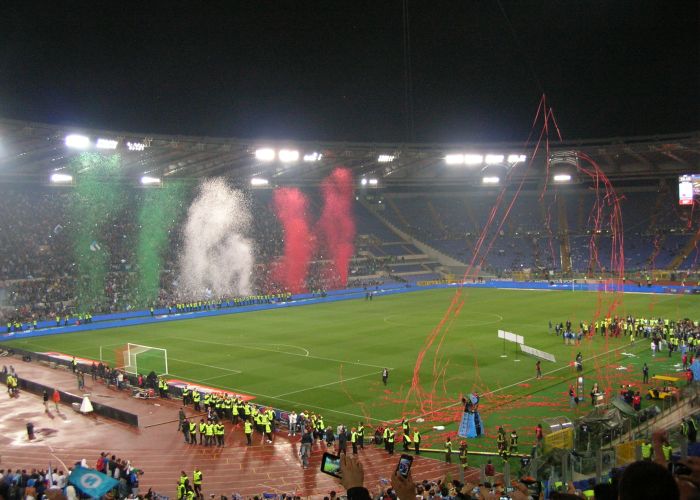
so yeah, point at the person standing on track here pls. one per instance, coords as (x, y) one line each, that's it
(197, 482)
(385, 375)
(538, 369)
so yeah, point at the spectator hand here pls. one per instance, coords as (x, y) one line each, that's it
(352, 472)
(404, 487)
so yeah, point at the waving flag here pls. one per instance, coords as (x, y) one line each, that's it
(91, 482)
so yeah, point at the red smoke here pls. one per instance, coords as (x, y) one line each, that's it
(291, 208)
(336, 227)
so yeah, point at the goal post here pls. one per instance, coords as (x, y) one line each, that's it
(143, 359)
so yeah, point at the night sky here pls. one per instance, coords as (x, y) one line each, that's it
(334, 69)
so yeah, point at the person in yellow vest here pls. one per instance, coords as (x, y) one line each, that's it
(667, 450)
(390, 441)
(183, 477)
(246, 411)
(416, 441)
(501, 439)
(197, 482)
(361, 436)
(209, 434)
(193, 431)
(202, 430)
(234, 412)
(196, 399)
(353, 440)
(181, 491)
(646, 451)
(463, 456)
(268, 428)
(189, 493)
(448, 450)
(385, 437)
(220, 432)
(248, 429)
(513, 442)
(406, 429)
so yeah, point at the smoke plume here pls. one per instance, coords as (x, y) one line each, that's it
(217, 255)
(337, 223)
(291, 208)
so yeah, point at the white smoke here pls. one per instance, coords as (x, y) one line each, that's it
(217, 255)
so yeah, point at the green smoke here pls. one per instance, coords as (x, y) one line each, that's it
(159, 212)
(97, 199)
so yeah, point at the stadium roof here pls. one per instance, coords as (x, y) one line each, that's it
(33, 151)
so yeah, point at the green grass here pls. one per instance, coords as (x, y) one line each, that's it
(328, 357)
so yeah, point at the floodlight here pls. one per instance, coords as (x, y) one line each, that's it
(61, 178)
(562, 178)
(288, 155)
(472, 159)
(265, 154)
(363, 182)
(150, 181)
(491, 180)
(494, 159)
(385, 158)
(516, 158)
(135, 146)
(309, 157)
(373, 182)
(106, 143)
(77, 141)
(454, 159)
(259, 181)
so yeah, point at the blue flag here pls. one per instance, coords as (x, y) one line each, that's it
(91, 482)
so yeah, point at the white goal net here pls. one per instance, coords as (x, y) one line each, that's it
(143, 359)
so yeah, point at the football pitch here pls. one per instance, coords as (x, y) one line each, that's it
(328, 357)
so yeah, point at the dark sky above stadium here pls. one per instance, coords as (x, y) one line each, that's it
(335, 69)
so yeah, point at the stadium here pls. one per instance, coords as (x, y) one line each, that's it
(253, 315)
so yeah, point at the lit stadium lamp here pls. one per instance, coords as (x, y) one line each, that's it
(516, 159)
(150, 181)
(288, 155)
(106, 143)
(77, 141)
(363, 182)
(493, 159)
(562, 178)
(135, 146)
(265, 154)
(491, 180)
(473, 159)
(310, 157)
(454, 159)
(259, 181)
(61, 178)
(385, 158)
(373, 182)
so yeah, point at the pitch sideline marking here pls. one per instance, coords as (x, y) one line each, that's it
(208, 366)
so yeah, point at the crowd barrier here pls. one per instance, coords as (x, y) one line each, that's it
(69, 398)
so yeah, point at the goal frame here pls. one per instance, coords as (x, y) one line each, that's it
(129, 357)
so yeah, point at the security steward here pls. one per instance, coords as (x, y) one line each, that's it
(248, 429)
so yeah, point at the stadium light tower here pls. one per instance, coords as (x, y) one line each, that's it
(491, 179)
(106, 143)
(259, 182)
(493, 159)
(514, 158)
(288, 155)
(77, 141)
(454, 159)
(473, 159)
(147, 180)
(61, 178)
(562, 178)
(385, 158)
(265, 154)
